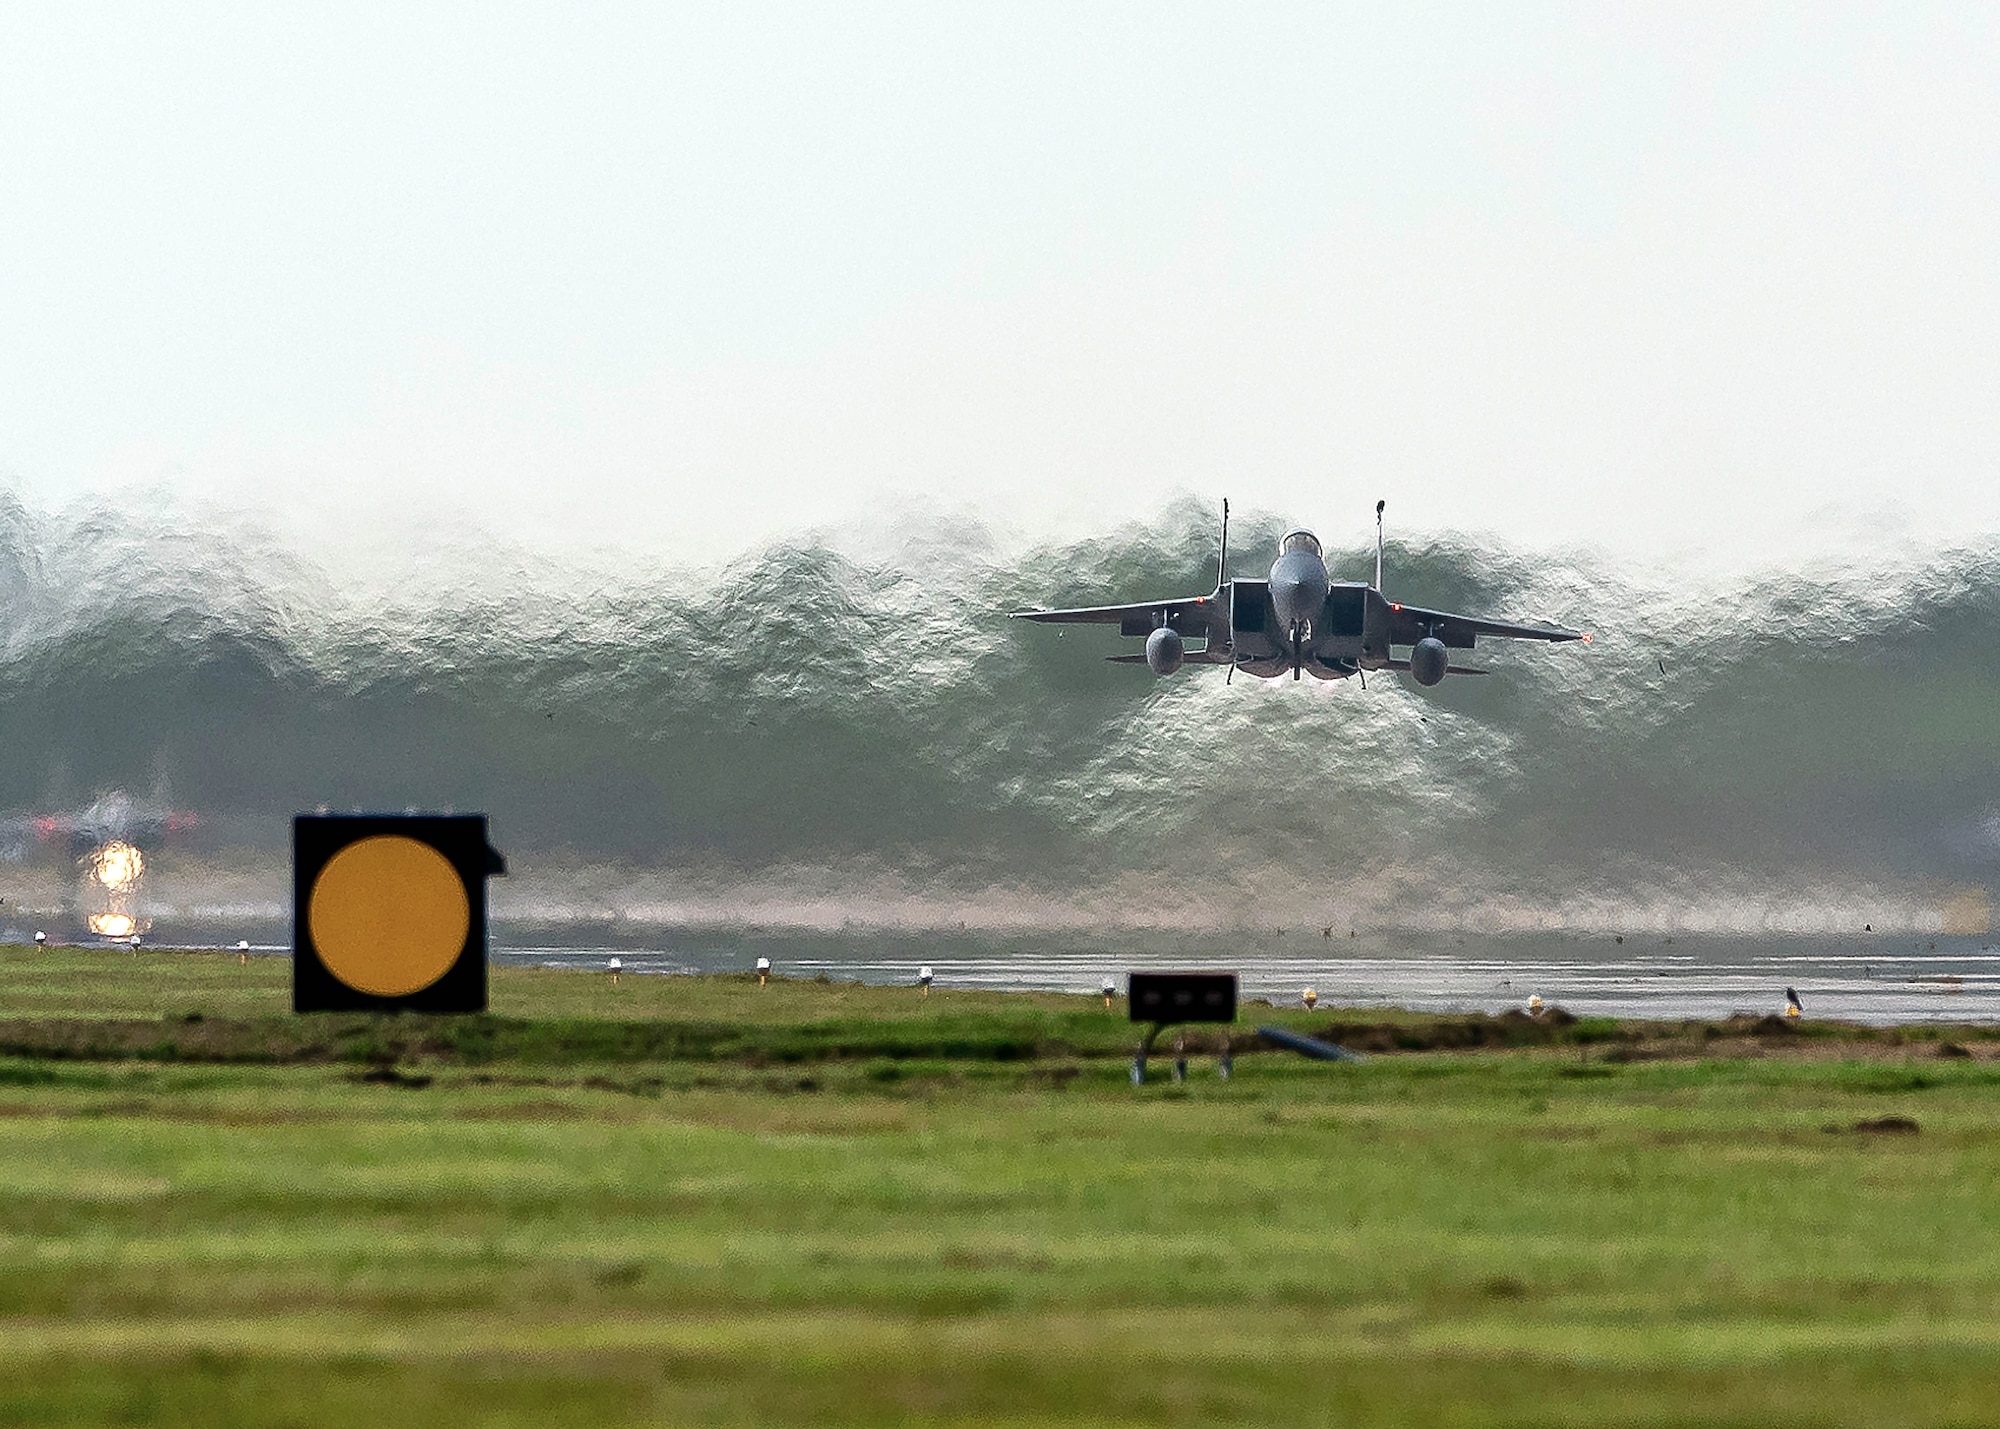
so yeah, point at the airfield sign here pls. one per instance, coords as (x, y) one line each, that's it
(1167, 998)
(389, 912)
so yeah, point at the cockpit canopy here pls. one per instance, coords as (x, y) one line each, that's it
(1299, 540)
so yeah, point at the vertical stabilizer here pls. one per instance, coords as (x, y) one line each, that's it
(1222, 559)
(1378, 543)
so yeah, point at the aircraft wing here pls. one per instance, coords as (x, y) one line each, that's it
(1410, 623)
(1191, 657)
(1449, 669)
(1190, 615)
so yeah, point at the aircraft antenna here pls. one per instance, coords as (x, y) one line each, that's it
(1378, 543)
(1222, 560)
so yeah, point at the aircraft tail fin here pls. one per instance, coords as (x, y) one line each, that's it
(1378, 543)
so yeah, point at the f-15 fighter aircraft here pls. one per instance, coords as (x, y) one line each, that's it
(115, 817)
(1297, 619)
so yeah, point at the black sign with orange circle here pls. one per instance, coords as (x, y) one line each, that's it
(389, 911)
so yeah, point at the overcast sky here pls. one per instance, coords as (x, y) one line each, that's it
(681, 277)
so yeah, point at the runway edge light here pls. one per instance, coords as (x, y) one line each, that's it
(389, 912)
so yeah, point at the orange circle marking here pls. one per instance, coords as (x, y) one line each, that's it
(388, 915)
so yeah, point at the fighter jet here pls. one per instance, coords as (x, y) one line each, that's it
(114, 817)
(105, 842)
(1299, 620)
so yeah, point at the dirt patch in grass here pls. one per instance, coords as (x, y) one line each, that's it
(390, 1039)
(1051, 1045)
(1888, 1126)
(390, 1075)
(1618, 1041)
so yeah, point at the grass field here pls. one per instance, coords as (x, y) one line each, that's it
(697, 1201)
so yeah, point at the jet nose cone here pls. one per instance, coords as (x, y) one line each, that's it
(1298, 588)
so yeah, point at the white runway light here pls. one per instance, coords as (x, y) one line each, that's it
(924, 976)
(615, 967)
(763, 971)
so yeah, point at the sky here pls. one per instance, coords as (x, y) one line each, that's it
(679, 280)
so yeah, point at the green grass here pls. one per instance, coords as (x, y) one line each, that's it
(874, 1208)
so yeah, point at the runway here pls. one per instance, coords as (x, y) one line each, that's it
(1879, 981)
